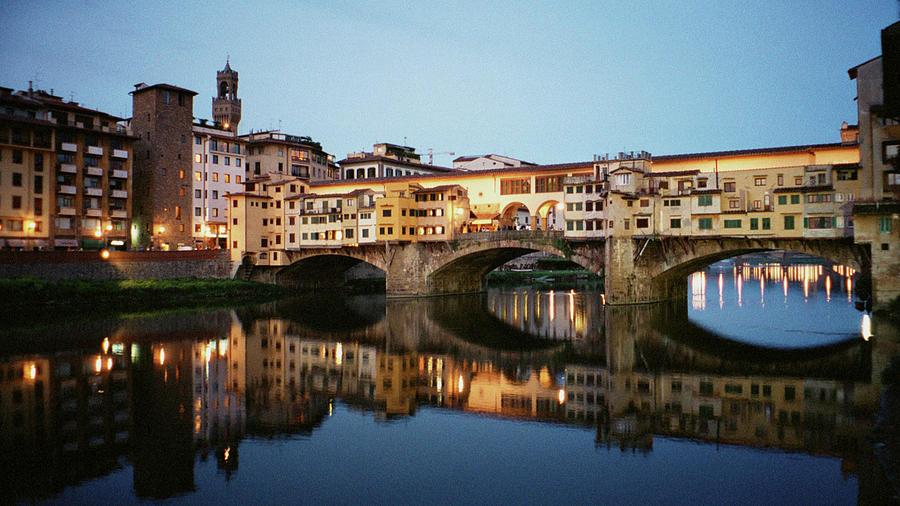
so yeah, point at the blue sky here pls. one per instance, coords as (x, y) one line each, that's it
(547, 82)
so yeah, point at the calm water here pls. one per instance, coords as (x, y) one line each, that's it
(746, 392)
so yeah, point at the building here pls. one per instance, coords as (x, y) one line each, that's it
(218, 170)
(387, 161)
(258, 215)
(162, 118)
(487, 162)
(876, 213)
(65, 174)
(280, 153)
(226, 107)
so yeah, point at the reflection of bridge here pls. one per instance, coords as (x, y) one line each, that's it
(636, 269)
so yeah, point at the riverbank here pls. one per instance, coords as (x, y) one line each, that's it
(26, 296)
(546, 278)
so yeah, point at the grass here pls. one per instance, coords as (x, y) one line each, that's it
(545, 279)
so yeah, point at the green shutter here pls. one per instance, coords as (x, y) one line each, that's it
(805, 222)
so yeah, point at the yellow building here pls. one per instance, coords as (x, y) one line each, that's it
(395, 213)
(441, 212)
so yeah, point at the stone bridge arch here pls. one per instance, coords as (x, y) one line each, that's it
(656, 269)
(460, 266)
(324, 267)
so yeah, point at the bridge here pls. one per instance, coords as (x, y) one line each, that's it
(636, 269)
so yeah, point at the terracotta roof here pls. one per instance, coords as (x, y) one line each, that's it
(374, 158)
(744, 152)
(805, 189)
(708, 191)
(441, 188)
(160, 85)
(248, 194)
(674, 173)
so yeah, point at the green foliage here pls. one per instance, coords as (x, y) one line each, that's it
(563, 245)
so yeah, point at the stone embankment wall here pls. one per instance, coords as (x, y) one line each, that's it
(55, 265)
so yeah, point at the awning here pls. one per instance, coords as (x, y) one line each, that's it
(483, 221)
(71, 243)
(39, 243)
(15, 243)
(92, 243)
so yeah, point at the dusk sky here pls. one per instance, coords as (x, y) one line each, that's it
(546, 82)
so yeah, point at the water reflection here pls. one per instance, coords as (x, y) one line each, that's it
(155, 395)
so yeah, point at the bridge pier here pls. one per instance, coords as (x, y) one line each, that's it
(629, 281)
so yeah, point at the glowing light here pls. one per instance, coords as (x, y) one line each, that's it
(866, 327)
(460, 386)
(561, 396)
(98, 364)
(209, 351)
(117, 242)
(31, 371)
(338, 354)
(104, 254)
(98, 233)
(226, 125)
(30, 226)
(109, 363)
(108, 227)
(105, 345)
(559, 206)
(162, 356)
(223, 347)
(162, 230)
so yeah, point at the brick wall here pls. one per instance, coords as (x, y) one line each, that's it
(55, 265)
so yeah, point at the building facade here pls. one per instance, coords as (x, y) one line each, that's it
(65, 174)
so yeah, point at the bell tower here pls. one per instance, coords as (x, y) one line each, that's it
(226, 107)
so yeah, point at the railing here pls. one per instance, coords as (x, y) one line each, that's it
(509, 235)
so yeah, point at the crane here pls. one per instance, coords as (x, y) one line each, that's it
(431, 154)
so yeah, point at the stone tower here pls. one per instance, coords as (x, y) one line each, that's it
(226, 107)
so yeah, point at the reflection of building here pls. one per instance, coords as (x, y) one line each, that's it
(395, 384)
(532, 394)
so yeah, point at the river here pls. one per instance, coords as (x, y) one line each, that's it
(757, 387)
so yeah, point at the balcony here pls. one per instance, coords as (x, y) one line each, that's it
(68, 146)
(120, 153)
(68, 190)
(95, 150)
(122, 174)
(93, 213)
(66, 211)
(93, 192)
(68, 167)
(118, 213)
(118, 194)
(94, 171)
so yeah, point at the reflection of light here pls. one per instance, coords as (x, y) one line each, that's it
(552, 306)
(109, 363)
(162, 356)
(226, 454)
(866, 327)
(740, 289)
(572, 306)
(721, 290)
(223, 347)
(698, 290)
(460, 385)
(806, 283)
(785, 285)
(98, 364)
(762, 291)
(440, 383)
(31, 371)
(849, 289)
(104, 254)
(208, 352)
(828, 288)
(561, 396)
(105, 345)
(338, 354)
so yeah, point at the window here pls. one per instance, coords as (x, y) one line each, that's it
(798, 180)
(884, 224)
(623, 179)
(734, 204)
(546, 184)
(515, 186)
(215, 159)
(198, 176)
(386, 213)
(198, 211)
(782, 200)
(795, 199)
(754, 224)
(732, 223)
(767, 223)
(705, 223)
(675, 223)
(704, 200)
(17, 179)
(17, 156)
(789, 223)
(780, 179)
(177, 212)
(759, 181)
(16, 202)
(642, 222)
(729, 186)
